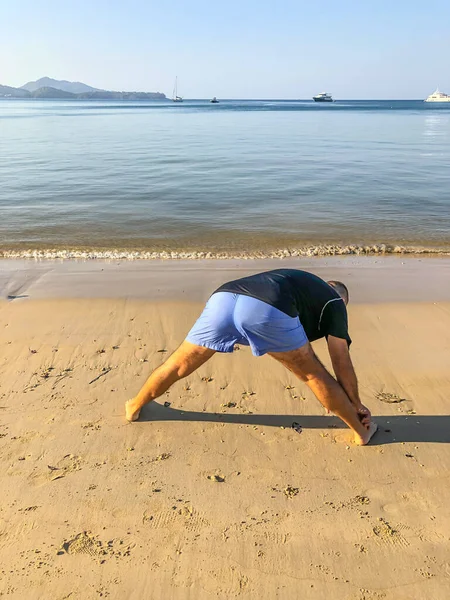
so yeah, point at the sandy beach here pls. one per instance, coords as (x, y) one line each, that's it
(212, 494)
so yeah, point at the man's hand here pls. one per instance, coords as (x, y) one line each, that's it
(364, 415)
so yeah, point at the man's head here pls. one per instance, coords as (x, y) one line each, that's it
(341, 289)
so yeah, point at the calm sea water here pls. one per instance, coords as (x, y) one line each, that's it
(239, 176)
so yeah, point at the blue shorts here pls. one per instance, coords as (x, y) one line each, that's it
(230, 319)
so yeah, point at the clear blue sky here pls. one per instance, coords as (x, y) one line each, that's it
(232, 48)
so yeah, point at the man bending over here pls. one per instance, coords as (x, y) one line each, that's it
(277, 313)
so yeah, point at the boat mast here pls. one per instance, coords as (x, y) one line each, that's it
(175, 90)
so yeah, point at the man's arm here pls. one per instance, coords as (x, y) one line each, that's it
(345, 373)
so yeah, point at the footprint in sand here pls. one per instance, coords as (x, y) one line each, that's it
(85, 543)
(387, 534)
(66, 465)
(185, 516)
(389, 398)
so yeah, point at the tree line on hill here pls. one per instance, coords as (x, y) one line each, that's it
(47, 88)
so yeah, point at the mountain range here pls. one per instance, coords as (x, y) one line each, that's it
(74, 87)
(48, 88)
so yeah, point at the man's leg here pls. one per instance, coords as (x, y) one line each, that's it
(307, 367)
(181, 363)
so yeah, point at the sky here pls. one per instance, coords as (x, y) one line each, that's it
(234, 49)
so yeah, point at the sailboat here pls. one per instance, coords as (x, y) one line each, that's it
(175, 96)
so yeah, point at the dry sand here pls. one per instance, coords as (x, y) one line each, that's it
(215, 495)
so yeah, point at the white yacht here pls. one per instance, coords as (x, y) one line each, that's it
(438, 96)
(323, 97)
(175, 96)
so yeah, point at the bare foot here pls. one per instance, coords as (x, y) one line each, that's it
(367, 435)
(131, 413)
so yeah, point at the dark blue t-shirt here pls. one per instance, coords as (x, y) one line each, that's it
(321, 310)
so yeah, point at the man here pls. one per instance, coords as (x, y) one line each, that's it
(277, 313)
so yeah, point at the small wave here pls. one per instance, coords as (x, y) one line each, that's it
(306, 251)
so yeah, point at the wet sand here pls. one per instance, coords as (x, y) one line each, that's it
(370, 279)
(213, 494)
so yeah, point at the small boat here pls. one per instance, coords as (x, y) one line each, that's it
(323, 97)
(438, 96)
(214, 101)
(175, 96)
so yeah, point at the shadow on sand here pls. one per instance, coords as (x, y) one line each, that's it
(395, 429)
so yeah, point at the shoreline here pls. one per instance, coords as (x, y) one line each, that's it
(370, 279)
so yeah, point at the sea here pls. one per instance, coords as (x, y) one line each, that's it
(235, 179)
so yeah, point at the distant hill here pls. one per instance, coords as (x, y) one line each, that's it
(74, 87)
(49, 92)
(5, 90)
(47, 88)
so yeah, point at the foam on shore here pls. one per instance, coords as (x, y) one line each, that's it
(305, 251)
